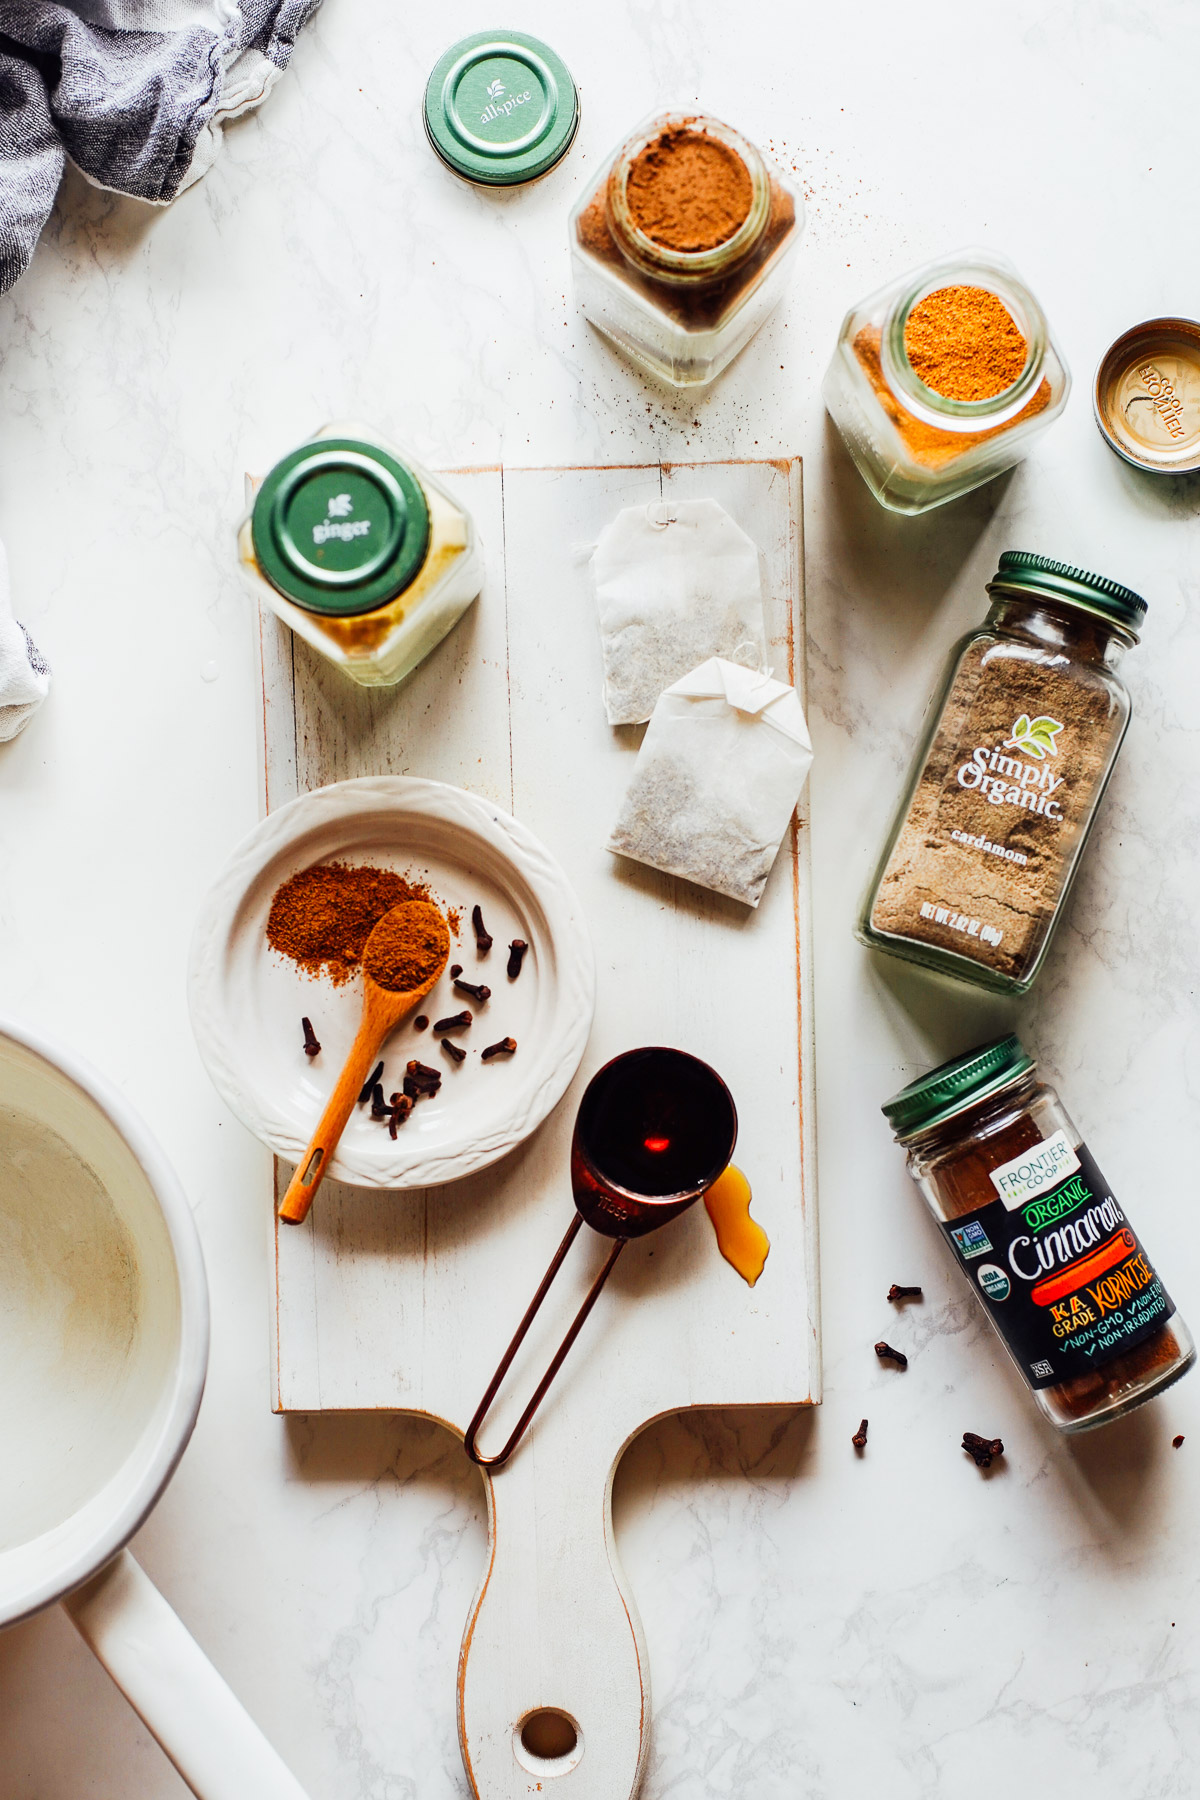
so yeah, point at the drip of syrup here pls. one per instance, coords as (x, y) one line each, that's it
(742, 1242)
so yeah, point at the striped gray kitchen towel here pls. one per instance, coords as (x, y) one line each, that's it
(135, 92)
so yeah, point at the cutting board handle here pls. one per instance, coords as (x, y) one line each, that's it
(553, 1647)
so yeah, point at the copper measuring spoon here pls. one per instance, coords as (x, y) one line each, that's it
(383, 1010)
(655, 1129)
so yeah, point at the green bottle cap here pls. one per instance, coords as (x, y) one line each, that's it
(340, 526)
(1021, 572)
(501, 108)
(955, 1085)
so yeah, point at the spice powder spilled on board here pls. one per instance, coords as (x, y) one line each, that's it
(322, 917)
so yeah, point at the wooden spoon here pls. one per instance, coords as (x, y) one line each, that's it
(412, 936)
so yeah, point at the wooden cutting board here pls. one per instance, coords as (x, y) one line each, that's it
(404, 1302)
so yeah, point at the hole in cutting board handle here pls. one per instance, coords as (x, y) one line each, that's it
(548, 1741)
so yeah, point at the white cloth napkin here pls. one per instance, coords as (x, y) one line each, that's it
(24, 671)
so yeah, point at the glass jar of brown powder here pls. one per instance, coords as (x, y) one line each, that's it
(940, 380)
(1038, 1233)
(679, 252)
(1006, 786)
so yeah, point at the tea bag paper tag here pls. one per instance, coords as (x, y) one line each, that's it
(717, 779)
(749, 691)
(676, 582)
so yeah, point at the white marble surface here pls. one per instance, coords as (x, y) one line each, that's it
(817, 1624)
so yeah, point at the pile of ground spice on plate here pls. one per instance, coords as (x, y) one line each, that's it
(322, 917)
(688, 191)
(964, 344)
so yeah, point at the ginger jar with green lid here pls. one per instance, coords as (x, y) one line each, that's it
(360, 551)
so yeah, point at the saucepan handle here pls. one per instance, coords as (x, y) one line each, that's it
(172, 1686)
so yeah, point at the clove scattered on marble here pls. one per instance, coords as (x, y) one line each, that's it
(859, 1440)
(981, 1448)
(885, 1352)
(896, 1292)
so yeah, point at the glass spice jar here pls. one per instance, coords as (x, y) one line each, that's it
(1038, 1233)
(1006, 786)
(680, 250)
(360, 551)
(916, 447)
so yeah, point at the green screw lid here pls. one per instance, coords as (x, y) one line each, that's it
(340, 526)
(955, 1085)
(501, 108)
(1021, 572)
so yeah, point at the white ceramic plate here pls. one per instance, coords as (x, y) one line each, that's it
(247, 1001)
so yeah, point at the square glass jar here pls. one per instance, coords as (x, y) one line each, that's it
(682, 314)
(360, 551)
(915, 448)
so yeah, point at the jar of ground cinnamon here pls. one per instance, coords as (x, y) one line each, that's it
(360, 551)
(941, 380)
(1043, 1241)
(1007, 784)
(680, 250)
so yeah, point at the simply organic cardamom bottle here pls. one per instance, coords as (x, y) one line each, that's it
(1006, 786)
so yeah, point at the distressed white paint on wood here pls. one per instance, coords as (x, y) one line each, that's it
(406, 1301)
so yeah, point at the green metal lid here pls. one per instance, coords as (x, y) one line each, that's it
(1021, 572)
(340, 526)
(501, 108)
(955, 1085)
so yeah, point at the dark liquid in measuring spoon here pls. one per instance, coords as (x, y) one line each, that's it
(658, 1125)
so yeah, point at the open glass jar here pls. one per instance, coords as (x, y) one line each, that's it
(360, 551)
(914, 447)
(1006, 786)
(1042, 1240)
(679, 305)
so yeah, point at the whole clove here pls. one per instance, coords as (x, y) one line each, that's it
(884, 1351)
(483, 940)
(505, 1047)
(479, 992)
(896, 1292)
(456, 1022)
(516, 955)
(455, 971)
(859, 1440)
(421, 1082)
(452, 1050)
(375, 1075)
(981, 1448)
(379, 1106)
(1176, 1441)
(421, 1022)
(397, 1113)
(311, 1045)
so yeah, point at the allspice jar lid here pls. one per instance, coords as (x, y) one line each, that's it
(501, 108)
(955, 1085)
(1147, 396)
(1024, 572)
(340, 526)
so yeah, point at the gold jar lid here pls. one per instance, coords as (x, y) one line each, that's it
(1147, 396)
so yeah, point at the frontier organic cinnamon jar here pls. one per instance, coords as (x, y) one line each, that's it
(1006, 787)
(679, 251)
(1038, 1233)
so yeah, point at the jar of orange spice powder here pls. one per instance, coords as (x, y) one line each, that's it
(941, 380)
(679, 251)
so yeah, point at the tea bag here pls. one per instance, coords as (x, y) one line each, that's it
(717, 779)
(676, 582)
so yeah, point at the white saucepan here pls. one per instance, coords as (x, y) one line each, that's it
(104, 1349)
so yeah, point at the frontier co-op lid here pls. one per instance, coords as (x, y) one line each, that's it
(340, 526)
(501, 108)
